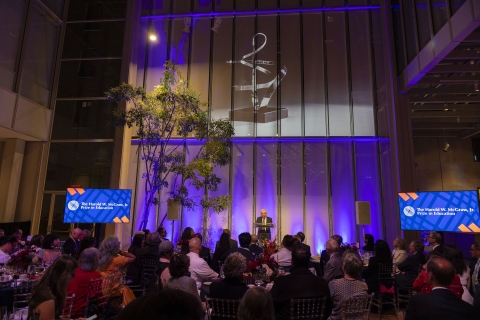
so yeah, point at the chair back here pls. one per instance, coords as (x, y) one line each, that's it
(149, 264)
(386, 273)
(223, 308)
(357, 307)
(67, 311)
(99, 291)
(149, 260)
(21, 293)
(308, 308)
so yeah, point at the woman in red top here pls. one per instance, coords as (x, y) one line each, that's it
(80, 285)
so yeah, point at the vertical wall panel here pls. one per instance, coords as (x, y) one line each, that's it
(224, 6)
(193, 218)
(181, 6)
(267, 5)
(368, 184)
(343, 192)
(141, 52)
(203, 6)
(157, 54)
(291, 188)
(159, 6)
(389, 191)
(242, 187)
(291, 86)
(338, 91)
(361, 73)
(316, 195)
(216, 222)
(314, 73)
(179, 46)
(245, 5)
(199, 70)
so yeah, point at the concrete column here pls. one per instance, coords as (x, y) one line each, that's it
(10, 173)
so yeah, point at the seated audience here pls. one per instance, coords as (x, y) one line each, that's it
(49, 294)
(87, 233)
(441, 303)
(199, 269)
(422, 285)
(6, 247)
(204, 251)
(371, 274)
(347, 287)
(455, 256)
(180, 278)
(163, 233)
(232, 287)
(222, 247)
(399, 253)
(147, 234)
(369, 241)
(305, 247)
(49, 244)
(333, 268)
(166, 253)
(301, 283)
(284, 256)
(244, 240)
(187, 234)
(164, 305)
(410, 267)
(436, 241)
(150, 247)
(256, 304)
(35, 246)
(474, 267)
(233, 243)
(87, 242)
(324, 256)
(254, 247)
(134, 269)
(70, 246)
(80, 284)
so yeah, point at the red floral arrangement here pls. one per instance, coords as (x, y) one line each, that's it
(264, 262)
(21, 258)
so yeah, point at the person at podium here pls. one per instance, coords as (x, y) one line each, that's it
(264, 232)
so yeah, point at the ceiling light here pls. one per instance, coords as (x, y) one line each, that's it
(152, 37)
(446, 146)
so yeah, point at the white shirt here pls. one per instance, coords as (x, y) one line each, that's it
(283, 257)
(199, 269)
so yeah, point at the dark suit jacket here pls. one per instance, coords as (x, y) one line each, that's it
(228, 289)
(439, 248)
(261, 230)
(439, 304)
(70, 247)
(256, 249)
(149, 249)
(244, 252)
(306, 247)
(300, 283)
(233, 244)
(411, 266)
(333, 268)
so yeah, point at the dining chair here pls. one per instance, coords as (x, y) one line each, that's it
(21, 293)
(403, 297)
(98, 296)
(386, 277)
(67, 311)
(308, 308)
(357, 307)
(223, 308)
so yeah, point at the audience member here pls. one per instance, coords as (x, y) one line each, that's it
(179, 275)
(49, 244)
(49, 293)
(147, 234)
(284, 256)
(204, 251)
(244, 240)
(333, 268)
(455, 256)
(70, 246)
(199, 269)
(2, 233)
(18, 233)
(87, 242)
(305, 247)
(163, 233)
(222, 247)
(187, 234)
(35, 246)
(232, 287)
(436, 241)
(150, 247)
(369, 241)
(324, 256)
(410, 267)
(474, 266)
(6, 247)
(382, 256)
(348, 286)
(233, 243)
(165, 305)
(256, 304)
(399, 253)
(134, 269)
(80, 284)
(441, 303)
(87, 233)
(301, 283)
(254, 247)
(165, 248)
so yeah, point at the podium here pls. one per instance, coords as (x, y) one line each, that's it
(261, 232)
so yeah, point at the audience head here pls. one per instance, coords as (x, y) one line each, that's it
(416, 246)
(234, 266)
(50, 241)
(36, 241)
(440, 272)
(76, 233)
(109, 248)
(332, 246)
(226, 231)
(399, 243)
(147, 234)
(432, 254)
(301, 235)
(18, 233)
(244, 239)
(368, 239)
(300, 257)
(86, 243)
(435, 239)
(288, 242)
(256, 304)
(263, 213)
(382, 251)
(352, 265)
(179, 265)
(337, 238)
(87, 233)
(199, 236)
(138, 239)
(162, 232)
(165, 249)
(154, 239)
(168, 304)
(195, 245)
(254, 239)
(88, 260)
(349, 251)
(2, 233)
(455, 256)
(187, 233)
(224, 242)
(475, 250)
(7, 243)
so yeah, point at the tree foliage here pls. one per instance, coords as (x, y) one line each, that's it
(174, 111)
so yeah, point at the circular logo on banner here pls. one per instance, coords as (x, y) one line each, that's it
(73, 205)
(408, 211)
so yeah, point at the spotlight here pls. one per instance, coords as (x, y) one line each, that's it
(445, 147)
(216, 25)
(152, 37)
(476, 86)
(188, 22)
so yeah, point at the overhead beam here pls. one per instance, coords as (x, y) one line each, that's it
(441, 126)
(434, 134)
(473, 37)
(442, 106)
(470, 132)
(444, 99)
(445, 80)
(463, 55)
(448, 90)
(442, 114)
(466, 121)
(455, 68)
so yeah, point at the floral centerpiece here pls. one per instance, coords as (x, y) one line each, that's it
(22, 258)
(263, 265)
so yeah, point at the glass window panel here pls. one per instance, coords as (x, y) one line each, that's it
(337, 75)
(58, 227)
(361, 73)
(439, 14)
(222, 71)
(242, 188)
(268, 26)
(292, 188)
(316, 195)
(378, 49)
(200, 60)
(268, 5)
(423, 22)
(12, 20)
(95, 10)
(216, 222)
(314, 75)
(140, 200)
(398, 36)
(343, 193)
(83, 120)
(410, 36)
(87, 164)
(291, 85)
(203, 6)
(389, 192)
(157, 54)
(334, 3)
(141, 53)
(88, 78)
(193, 218)
(245, 5)
(180, 45)
(106, 40)
(289, 4)
(311, 3)
(455, 5)
(43, 224)
(224, 6)
(56, 6)
(158, 6)
(181, 6)
(266, 181)
(368, 184)
(244, 32)
(353, 3)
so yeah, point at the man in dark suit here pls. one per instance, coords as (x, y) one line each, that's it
(305, 247)
(71, 244)
(410, 268)
(474, 269)
(233, 243)
(254, 247)
(301, 283)
(264, 220)
(436, 241)
(441, 303)
(244, 240)
(333, 268)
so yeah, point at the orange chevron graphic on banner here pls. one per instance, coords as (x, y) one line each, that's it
(413, 195)
(125, 219)
(117, 220)
(404, 196)
(463, 228)
(474, 227)
(71, 191)
(80, 190)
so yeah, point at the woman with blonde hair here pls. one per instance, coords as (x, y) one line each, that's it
(399, 253)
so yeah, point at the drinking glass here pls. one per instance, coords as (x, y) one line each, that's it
(281, 271)
(31, 270)
(3, 312)
(258, 279)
